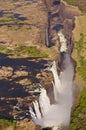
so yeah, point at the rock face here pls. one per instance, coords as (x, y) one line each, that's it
(61, 17)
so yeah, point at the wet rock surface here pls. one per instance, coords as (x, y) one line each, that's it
(61, 17)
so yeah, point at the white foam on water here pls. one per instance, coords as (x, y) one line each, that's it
(57, 114)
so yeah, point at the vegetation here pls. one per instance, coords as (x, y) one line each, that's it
(24, 51)
(7, 21)
(81, 69)
(19, 24)
(79, 115)
(80, 3)
(10, 19)
(6, 123)
(29, 50)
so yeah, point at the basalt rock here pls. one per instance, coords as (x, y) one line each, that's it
(61, 17)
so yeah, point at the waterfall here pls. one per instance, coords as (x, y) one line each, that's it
(63, 42)
(57, 114)
(47, 38)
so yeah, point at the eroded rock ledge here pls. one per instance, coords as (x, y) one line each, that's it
(60, 17)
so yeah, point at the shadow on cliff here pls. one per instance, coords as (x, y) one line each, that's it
(58, 27)
(56, 2)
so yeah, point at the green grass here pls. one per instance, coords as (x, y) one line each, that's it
(9, 21)
(79, 46)
(82, 68)
(79, 114)
(29, 51)
(80, 3)
(78, 121)
(23, 51)
(5, 123)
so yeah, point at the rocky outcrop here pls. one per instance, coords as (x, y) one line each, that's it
(61, 17)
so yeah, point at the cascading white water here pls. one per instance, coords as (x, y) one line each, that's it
(47, 39)
(57, 114)
(63, 42)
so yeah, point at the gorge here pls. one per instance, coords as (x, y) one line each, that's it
(39, 65)
(57, 115)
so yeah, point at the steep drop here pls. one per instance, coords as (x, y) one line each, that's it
(57, 114)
